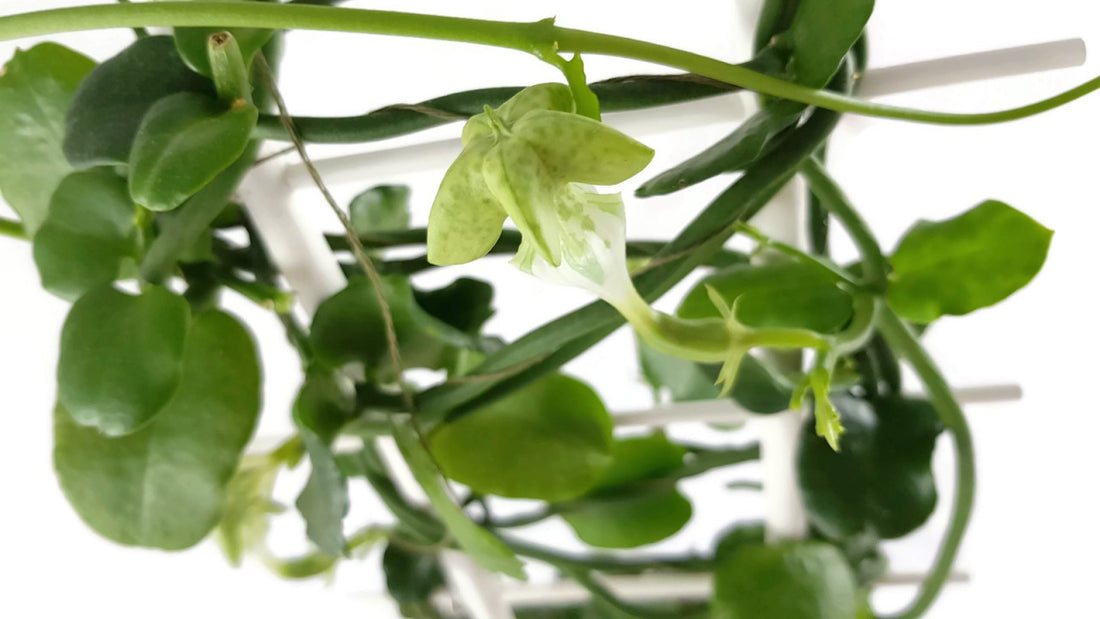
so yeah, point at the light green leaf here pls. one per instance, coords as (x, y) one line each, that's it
(466, 218)
(966, 263)
(36, 87)
(382, 207)
(121, 357)
(581, 150)
(111, 103)
(555, 435)
(88, 234)
(788, 294)
(484, 548)
(248, 507)
(822, 32)
(184, 141)
(164, 485)
(788, 580)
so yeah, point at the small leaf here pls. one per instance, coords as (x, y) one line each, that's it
(88, 234)
(248, 507)
(464, 304)
(788, 580)
(411, 577)
(111, 103)
(36, 87)
(881, 479)
(787, 294)
(482, 546)
(735, 152)
(822, 32)
(963, 264)
(555, 435)
(121, 357)
(184, 141)
(164, 485)
(382, 207)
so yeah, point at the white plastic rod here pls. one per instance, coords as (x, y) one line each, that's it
(298, 249)
(1007, 62)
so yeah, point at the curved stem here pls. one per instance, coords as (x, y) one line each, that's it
(536, 38)
(902, 339)
(13, 229)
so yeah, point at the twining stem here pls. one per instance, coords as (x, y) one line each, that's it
(536, 38)
(13, 229)
(902, 339)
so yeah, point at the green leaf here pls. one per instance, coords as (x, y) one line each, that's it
(738, 150)
(88, 234)
(164, 485)
(628, 509)
(786, 294)
(482, 546)
(184, 141)
(36, 87)
(121, 357)
(822, 32)
(966, 263)
(111, 103)
(411, 577)
(248, 507)
(881, 479)
(788, 580)
(380, 208)
(191, 43)
(464, 304)
(555, 435)
(319, 411)
(740, 535)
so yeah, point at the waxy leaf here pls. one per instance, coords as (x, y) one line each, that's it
(88, 234)
(788, 580)
(36, 87)
(164, 485)
(966, 263)
(121, 357)
(880, 482)
(629, 509)
(788, 294)
(554, 435)
(382, 207)
(821, 33)
(111, 103)
(184, 141)
(482, 546)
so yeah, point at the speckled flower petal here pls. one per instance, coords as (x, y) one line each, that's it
(520, 182)
(578, 149)
(466, 218)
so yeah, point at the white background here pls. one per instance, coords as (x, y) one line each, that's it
(1033, 541)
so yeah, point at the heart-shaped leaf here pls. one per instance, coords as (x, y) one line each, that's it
(164, 485)
(121, 357)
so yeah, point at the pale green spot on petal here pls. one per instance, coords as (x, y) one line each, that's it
(466, 218)
(582, 150)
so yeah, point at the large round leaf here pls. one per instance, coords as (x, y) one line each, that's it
(121, 357)
(789, 580)
(550, 441)
(88, 234)
(880, 482)
(184, 141)
(110, 104)
(164, 486)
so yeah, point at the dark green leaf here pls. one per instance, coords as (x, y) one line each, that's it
(740, 535)
(555, 435)
(380, 208)
(822, 32)
(164, 485)
(319, 411)
(972, 261)
(88, 234)
(184, 141)
(110, 104)
(482, 546)
(787, 294)
(411, 577)
(736, 151)
(465, 303)
(788, 580)
(121, 357)
(36, 87)
(881, 479)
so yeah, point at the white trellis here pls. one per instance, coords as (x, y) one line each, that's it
(299, 250)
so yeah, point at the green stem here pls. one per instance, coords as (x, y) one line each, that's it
(606, 563)
(535, 38)
(13, 229)
(902, 339)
